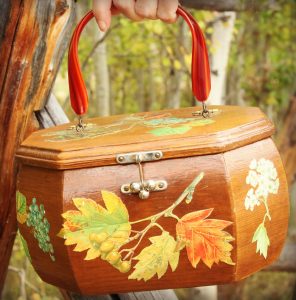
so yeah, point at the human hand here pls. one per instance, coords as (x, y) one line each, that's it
(136, 10)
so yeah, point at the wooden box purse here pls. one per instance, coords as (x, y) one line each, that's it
(154, 200)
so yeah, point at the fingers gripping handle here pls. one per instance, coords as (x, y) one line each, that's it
(200, 69)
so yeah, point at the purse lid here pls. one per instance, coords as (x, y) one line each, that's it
(175, 132)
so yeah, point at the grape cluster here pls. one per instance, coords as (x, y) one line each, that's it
(102, 242)
(36, 219)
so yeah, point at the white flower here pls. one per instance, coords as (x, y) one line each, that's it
(261, 193)
(263, 178)
(273, 174)
(251, 200)
(253, 164)
(252, 178)
(273, 187)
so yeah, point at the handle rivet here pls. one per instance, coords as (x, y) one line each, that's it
(157, 155)
(161, 185)
(150, 185)
(121, 158)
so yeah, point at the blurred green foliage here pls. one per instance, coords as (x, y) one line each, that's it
(261, 71)
(262, 66)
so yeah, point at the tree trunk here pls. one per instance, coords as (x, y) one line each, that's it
(33, 37)
(287, 142)
(229, 5)
(102, 82)
(221, 37)
(176, 73)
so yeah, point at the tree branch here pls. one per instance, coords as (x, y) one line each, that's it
(229, 5)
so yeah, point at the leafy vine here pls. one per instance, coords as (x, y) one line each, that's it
(106, 232)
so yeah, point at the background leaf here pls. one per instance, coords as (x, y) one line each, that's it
(155, 258)
(205, 238)
(92, 224)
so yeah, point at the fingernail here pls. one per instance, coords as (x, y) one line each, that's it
(102, 25)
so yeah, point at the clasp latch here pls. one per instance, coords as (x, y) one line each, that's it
(143, 187)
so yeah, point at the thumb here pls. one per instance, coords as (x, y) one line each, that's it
(102, 12)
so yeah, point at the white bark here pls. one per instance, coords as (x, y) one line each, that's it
(102, 82)
(176, 76)
(221, 42)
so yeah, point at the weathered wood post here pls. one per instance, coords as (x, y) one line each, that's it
(33, 37)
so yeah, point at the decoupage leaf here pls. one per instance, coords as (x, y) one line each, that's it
(205, 238)
(163, 131)
(21, 207)
(155, 258)
(92, 225)
(25, 247)
(263, 242)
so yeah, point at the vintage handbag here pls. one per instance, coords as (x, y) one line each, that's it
(175, 198)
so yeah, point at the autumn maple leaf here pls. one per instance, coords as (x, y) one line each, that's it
(204, 238)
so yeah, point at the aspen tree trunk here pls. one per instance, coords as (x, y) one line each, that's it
(176, 73)
(221, 39)
(102, 81)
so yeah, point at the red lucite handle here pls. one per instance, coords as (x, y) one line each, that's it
(200, 69)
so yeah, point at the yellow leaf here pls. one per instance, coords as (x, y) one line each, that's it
(92, 254)
(155, 258)
(92, 224)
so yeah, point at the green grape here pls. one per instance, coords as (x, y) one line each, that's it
(113, 257)
(106, 246)
(101, 237)
(125, 266)
(36, 219)
(119, 234)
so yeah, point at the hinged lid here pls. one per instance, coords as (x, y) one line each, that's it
(176, 133)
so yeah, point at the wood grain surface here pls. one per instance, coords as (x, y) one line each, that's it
(222, 188)
(33, 38)
(231, 128)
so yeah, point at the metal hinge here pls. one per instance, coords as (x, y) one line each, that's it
(144, 187)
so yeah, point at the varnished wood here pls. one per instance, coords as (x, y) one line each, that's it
(232, 127)
(33, 37)
(53, 115)
(223, 188)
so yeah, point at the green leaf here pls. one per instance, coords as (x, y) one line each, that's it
(170, 130)
(25, 246)
(155, 258)
(261, 237)
(92, 224)
(21, 207)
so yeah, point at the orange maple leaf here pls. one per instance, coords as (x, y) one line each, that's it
(204, 238)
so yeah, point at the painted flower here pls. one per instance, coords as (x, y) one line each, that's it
(251, 200)
(263, 179)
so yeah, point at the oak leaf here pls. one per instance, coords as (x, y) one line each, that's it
(204, 238)
(155, 258)
(91, 220)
